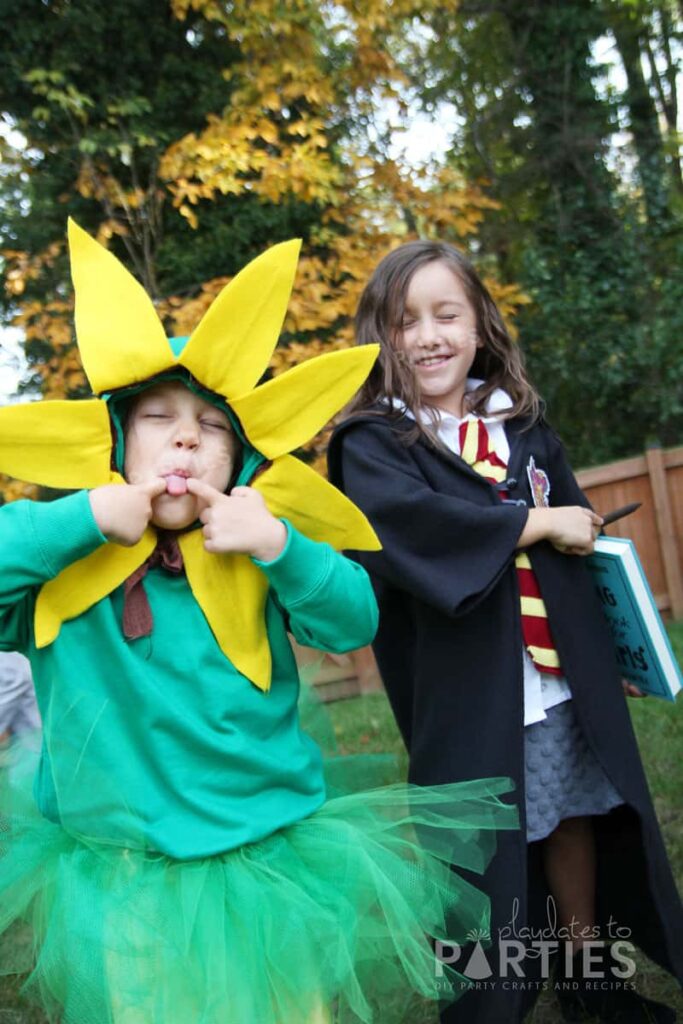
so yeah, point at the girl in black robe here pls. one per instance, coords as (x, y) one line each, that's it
(447, 452)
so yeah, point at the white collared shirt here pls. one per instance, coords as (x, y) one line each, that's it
(541, 690)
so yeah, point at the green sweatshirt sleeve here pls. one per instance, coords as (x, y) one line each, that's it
(328, 598)
(37, 541)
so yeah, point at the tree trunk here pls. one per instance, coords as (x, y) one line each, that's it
(652, 171)
(570, 123)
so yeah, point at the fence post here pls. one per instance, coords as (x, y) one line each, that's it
(665, 529)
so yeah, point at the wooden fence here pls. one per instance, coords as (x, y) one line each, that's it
(655, 479)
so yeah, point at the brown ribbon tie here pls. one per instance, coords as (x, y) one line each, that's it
(137, 614)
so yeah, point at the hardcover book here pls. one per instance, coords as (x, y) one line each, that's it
(642, 646)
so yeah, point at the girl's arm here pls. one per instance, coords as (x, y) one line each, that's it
(569, 524)
(445, 550)
(37, 541)
(328, 598)
(571, 529)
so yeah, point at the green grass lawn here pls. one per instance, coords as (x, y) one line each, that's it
(365, 725)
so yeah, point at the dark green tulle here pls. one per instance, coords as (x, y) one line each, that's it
(325, 921)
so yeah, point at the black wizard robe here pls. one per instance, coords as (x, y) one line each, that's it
(449, 650)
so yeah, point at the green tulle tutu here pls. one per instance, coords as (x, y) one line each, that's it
(325, 921)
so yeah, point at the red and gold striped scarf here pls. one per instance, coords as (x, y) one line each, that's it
(476, 450)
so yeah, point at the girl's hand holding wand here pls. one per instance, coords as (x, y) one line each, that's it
(571, 529)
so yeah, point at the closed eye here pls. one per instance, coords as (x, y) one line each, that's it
(214, 424)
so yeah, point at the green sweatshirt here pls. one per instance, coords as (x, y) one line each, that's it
(160, 743)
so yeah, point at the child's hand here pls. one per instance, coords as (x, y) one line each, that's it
(238, 522)
(123, 511)
(630, 690)
(571, 529)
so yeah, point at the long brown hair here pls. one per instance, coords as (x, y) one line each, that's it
(392, 382)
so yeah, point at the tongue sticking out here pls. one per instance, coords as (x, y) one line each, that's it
(176, 484)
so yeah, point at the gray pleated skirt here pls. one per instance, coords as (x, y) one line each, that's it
(562, 777)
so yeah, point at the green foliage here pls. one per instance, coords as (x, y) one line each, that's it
(602, 341)
(100, 91)
(227, 236)
(592, 236)
(595, 243)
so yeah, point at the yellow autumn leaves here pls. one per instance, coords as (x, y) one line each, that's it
(277, 139)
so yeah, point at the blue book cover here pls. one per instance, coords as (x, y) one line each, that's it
(642, 646)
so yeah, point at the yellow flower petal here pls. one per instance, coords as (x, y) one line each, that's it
(284, 413)
(57, 444)
(231, 591)
(292, 490)
(86, 582)
(123, 342)
(120, 336)
(230, 348)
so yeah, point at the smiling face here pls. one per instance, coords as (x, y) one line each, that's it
(174, 434)
(438, 334)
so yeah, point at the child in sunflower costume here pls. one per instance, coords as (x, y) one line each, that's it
(167, 851)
